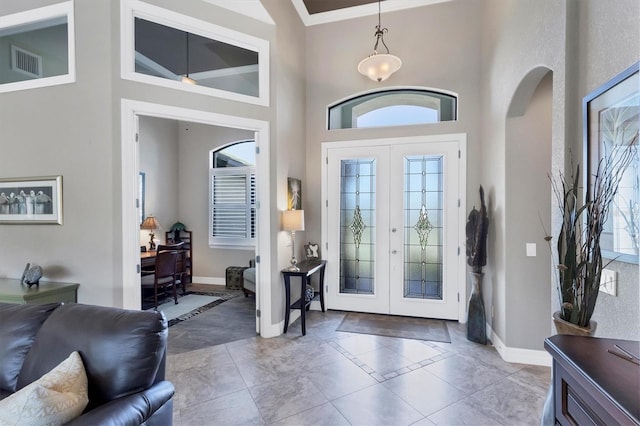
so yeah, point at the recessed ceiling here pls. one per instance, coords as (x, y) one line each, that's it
(314, 12)
(319, 6)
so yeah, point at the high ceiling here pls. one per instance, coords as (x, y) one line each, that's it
(314, 12)
(319, 6)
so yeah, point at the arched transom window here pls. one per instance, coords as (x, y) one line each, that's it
(397, 107)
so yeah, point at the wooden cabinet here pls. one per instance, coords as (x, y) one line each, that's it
(172, 237)
(591, 385)
(12, 291)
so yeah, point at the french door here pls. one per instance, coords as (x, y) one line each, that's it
(393, 226)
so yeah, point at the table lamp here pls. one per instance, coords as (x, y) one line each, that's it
(292, 221)
(151, 223)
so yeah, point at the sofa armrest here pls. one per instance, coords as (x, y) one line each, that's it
(133, 409)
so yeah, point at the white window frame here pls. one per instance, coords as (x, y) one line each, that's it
(416, 99)
(226, 242)
(60, 10)
(131, 9)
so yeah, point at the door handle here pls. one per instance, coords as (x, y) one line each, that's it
(394, 251)
(393, 229)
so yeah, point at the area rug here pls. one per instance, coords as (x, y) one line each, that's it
(396, 326)
(192, 304)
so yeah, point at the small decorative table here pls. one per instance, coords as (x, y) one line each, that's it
(12, 291)
(307, 269)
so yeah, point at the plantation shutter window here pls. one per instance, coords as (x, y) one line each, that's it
(233, 204)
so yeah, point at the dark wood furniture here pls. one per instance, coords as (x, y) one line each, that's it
(163, 277)
(12, 291)
(307, 269)
(592, 386)
(184, 236)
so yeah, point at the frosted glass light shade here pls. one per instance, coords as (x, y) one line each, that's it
(379, 67)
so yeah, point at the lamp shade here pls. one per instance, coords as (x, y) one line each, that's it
(379, 67)
(150, 222)
(293, 220)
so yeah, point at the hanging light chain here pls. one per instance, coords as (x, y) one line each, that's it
(380, 31)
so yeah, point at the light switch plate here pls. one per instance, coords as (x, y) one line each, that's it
(609, 282)
(531, 249)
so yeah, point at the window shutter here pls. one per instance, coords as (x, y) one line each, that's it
(233, 212)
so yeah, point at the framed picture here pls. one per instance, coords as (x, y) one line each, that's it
(611, 117)
(312, 250)
(294, 194)
(31, 200)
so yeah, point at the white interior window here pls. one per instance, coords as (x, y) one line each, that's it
(393, 107)
(232, 195)
(168, 49)
(37, 48)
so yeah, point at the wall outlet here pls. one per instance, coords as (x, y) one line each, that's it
(609, 282)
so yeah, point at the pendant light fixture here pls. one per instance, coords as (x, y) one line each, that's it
(379, 66)
(186, 79)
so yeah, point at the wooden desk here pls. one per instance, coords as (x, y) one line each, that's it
(12, 291)
(147, 259)
(591, 385)
(307, 269)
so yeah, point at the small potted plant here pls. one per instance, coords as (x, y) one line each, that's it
(476, 230)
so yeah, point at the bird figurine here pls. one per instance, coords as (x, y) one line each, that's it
(31, 275)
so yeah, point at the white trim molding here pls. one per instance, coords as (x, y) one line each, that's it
(130, 111)
(208, 280)
(518, 355)
(33, 19)
(131, 9)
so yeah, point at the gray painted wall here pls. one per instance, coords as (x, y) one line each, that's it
(528, 206)
(175, 157)
(195, 142)
(512, 48)
(609, 42)
(68, 130)
(158, 148)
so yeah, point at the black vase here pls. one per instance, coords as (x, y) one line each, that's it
(476, 321)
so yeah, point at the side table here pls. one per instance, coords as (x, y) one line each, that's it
(12, 291)
(307, 269)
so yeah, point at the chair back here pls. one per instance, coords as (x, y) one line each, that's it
(166, 261)
(176, 246)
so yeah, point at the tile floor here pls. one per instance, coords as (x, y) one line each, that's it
(335, 378)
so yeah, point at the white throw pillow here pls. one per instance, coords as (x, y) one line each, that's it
(54, 399)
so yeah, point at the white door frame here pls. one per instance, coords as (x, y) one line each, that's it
(461, 139)
(130, 110)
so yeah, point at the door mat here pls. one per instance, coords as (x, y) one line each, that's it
(396, 326)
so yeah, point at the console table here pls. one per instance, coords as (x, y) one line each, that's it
(12, 291)
(307, 269)
(592, 385)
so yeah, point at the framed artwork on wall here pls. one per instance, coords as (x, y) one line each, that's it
(32, 200)
(611, 117)
(294, 194)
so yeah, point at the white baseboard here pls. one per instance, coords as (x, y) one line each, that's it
(208, 280)
(518, 355)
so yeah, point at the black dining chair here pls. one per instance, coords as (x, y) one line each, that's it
(164, 276)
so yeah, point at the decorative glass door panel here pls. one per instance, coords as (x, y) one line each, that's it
(392, 228)
(357, 226)
(423, 227)
(424, 259)
(358, 252)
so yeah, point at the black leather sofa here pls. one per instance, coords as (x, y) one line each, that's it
(123, 352)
